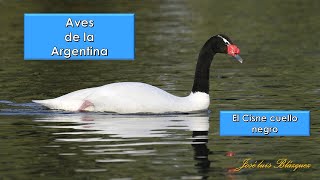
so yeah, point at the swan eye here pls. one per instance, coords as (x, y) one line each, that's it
(224, 40)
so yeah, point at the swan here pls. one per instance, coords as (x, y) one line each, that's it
(137, 97)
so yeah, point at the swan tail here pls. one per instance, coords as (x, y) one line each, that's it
(68, 105)
(50, 103)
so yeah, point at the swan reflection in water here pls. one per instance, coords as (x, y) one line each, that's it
(134, 130)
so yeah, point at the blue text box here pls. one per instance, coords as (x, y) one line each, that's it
(264, 123)
(113, 37)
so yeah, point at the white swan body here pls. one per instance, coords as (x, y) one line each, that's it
(128, 97)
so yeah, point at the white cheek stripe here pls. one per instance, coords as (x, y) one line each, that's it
(224, 40)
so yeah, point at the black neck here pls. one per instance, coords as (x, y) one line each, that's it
(201, 78)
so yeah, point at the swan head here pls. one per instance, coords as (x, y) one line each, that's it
(223, 44)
